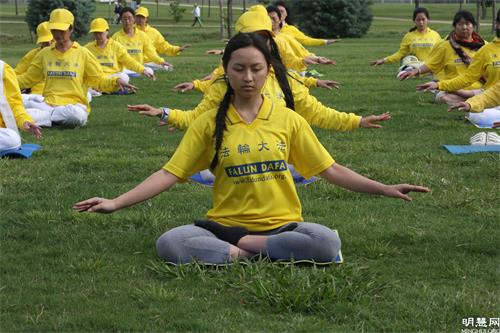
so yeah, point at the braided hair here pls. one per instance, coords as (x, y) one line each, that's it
(279, 69)
(240, 40)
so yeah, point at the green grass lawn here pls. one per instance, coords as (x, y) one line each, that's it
(418, 266)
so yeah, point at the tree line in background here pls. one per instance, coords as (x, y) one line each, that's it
(318, 18)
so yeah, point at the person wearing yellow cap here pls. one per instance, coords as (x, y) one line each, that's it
(12, 112)
(44, 39)
(112, 56)
(68, 70)
(159, 42)
(139, 46)
(284, 88)
(256, 19)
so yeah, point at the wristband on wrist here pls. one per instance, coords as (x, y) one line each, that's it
(165, 112)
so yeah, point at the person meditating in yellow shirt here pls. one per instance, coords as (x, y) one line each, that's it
(451, 57)
(297, 48)
(44, 39)
(247, 142)
(159, 42)
(112, 56)
(416, 44)
(12, 113)
(288, 28)
(485, 68)
(139, 46)
(68, 69)
(484, 108)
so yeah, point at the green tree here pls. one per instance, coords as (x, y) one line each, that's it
(176, 11)
(332, 18)
(39, 11)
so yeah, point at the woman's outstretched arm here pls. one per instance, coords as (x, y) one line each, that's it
(158, 182)
(346, 178)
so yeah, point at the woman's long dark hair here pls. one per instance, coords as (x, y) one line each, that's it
(279, 70)
(420, 10)
(240, 40)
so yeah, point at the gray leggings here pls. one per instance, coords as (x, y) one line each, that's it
(309, 241)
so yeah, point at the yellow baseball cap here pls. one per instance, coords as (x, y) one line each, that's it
(43, 33)
(143, 11)
(61, 19)
(259, 9)
(254, 20)
(99, 25)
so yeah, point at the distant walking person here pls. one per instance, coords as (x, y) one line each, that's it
(197, 15)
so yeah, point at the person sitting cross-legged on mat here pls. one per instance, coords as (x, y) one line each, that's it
(247, 142)
(12, 112)
(112, 56)
(484, 109)
(68, 69)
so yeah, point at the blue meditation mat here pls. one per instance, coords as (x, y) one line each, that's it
(468, 149)
(25, 151)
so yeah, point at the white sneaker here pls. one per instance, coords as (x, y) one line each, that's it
(492, 139)
(478, 139)
(94, 93)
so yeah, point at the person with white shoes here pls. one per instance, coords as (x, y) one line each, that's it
(485, 139)
(483, 109)
(139, 46)
(12, 113)
(112, 56)
(68, 69)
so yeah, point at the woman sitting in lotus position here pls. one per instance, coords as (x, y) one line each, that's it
(247, 142)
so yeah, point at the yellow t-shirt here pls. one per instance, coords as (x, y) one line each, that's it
(12, 93)
(446, 63)
(67, 75)
(114, 57)
(139, 46)
(306, 105)
(486, 66)
(160, 44)
(297, 48)
(417, 44)
(253, 187)
(488, 99)
(23, 65)
(288, 57)
(301, 37)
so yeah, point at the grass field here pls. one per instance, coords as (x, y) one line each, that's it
(420, 266)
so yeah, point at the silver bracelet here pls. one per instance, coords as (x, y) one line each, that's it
(165, 112)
